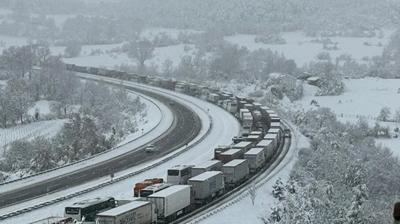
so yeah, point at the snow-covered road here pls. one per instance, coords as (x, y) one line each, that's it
(223, 127)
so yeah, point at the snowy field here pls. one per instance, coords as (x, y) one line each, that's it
(110, 60)
(300, 48)
(29, 131)
(362, 97)
(8, 41)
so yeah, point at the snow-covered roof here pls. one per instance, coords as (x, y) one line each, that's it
(235, 162)
(256, 133)
(270, 136)
(313, 78)
(207, 164)
(124, 208)
(205, 176)
(273, 130)
(171, 190)
(231, 152)
(179, 167)
(264, 143)
(241, 144)
(254, 151)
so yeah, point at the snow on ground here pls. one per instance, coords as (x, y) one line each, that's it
(300, 48)
(8, 41)
(29, 131)
(393, 144)
(41, 106)
(161, 121)
(244, 211)
(150, 33)
(223, 129)
(362, 97)
(110, 60)
(148, 123)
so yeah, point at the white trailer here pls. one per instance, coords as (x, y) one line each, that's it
(273, 137)
(247, 121)
(235, 172)
(243, 111)
(209, 165)
(138, 212)
(171, 202)
(207, 186)
(243, 145)
(256, 158)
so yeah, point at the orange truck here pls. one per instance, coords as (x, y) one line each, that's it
(141, 185)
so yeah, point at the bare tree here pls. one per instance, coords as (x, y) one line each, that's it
(252, 192)
(141, 50)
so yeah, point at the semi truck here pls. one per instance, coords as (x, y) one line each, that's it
(207, 186)
(171, 202)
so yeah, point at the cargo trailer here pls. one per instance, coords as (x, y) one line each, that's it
(209, 165)
(138, 212)
(235, 172)
(171, 202)
(256, 159)
(230, 155)
(207, 186)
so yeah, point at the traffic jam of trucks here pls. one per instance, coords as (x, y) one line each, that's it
(188, 187)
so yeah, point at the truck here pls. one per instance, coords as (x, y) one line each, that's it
(245, 145)
(220, 149)
(235, 172)
(153, 189)
(269, 148)
(273, 137)
(241, 112)
(247, 121)
(138, 212)
(256, 158)
(171, 202)
(207, 186)
(141, 185)
(209, 165)
(230, 155)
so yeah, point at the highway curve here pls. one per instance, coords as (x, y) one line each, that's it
(186, 127)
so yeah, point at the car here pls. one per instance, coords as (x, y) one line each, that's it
(150, 148)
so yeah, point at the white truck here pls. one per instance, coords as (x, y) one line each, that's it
(207, 186)
(138, 212)
(235, 172)
(171, 202)
(209, 165)
(256, 158)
